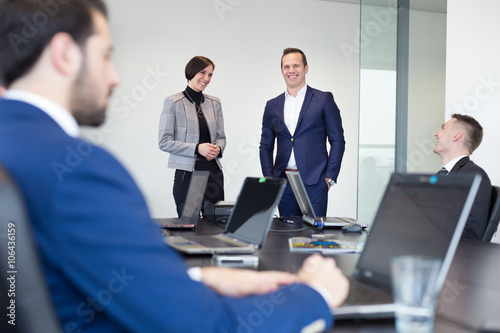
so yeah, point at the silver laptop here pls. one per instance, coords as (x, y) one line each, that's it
(192, 205)
(248, 224)
(308, 214)
(418, 215)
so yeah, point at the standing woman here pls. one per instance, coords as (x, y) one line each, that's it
(192, 131)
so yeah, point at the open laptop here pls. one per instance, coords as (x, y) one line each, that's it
(418, 215)
(308, 214)
(192, 205)
(248, 224)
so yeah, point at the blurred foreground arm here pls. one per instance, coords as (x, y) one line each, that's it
(244, 282)
(322, 274)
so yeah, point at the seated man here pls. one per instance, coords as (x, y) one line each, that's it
(456, 141)
(105, 262)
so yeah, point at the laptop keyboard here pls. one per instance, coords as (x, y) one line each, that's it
(170, 222)
(211, 241)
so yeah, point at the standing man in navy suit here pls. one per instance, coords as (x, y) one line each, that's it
(456, 141)
(300, 121)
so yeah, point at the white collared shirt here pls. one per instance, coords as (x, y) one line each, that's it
(452, 163)
(293, 105)
(59, 114)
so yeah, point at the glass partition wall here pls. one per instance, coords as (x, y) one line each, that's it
(377, 105)
(402, 89)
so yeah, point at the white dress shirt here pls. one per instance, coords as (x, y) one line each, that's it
(452, 163)
(59, 114)
(293, 105)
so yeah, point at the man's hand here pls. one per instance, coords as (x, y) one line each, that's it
(327, 183)
(317, 270)
(209, 150)
(244, 282)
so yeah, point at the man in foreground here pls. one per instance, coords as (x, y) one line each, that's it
(105, 262)
(456, 141)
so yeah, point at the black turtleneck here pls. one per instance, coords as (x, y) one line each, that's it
(193, 95)
(198, 98)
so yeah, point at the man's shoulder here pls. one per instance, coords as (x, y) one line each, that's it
(318, 92)
(469, 166)
(277, 98)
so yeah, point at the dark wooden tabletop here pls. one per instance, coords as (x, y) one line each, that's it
(469, 300)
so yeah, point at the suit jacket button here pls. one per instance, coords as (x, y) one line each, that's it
(292, 139)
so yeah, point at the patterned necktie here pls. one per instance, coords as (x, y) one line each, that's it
(443, 172)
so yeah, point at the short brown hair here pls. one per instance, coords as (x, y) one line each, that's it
(196, 65)
(294, 50)
(19, 51)
(473, 131)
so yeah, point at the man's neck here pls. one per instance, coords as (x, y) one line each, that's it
(54, 91)
(294, 91)
(449, 157)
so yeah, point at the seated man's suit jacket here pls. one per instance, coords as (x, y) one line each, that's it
(105, 262)
(319, 120)
(478, 217)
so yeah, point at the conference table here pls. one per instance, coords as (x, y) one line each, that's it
(468, 302)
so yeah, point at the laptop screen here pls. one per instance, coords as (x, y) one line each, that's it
(418, 215)
(300, 194)
(195, 195)
(254, 208)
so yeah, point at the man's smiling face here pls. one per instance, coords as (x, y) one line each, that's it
(293, 70)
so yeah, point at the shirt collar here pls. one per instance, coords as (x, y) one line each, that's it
(59, 114)
(300, 94)
(452, 163)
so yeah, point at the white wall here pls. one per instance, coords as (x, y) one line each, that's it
(245, 39)
(473, 74)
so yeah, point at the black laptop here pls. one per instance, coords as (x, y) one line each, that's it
(192, 205)
(418, 215)
(247, 226)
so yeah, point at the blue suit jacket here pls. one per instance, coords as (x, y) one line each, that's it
(478, 217)
(319, 120)
(106, 264)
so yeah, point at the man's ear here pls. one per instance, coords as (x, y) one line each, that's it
(457, 136)
(66, 55)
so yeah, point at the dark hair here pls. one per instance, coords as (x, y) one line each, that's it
(473, 131)
(294, 50)
(27, 27)
(196, 65)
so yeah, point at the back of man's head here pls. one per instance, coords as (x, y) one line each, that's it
(473, 131)
(27, 27)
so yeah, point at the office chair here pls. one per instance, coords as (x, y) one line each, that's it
(494, 216)
(34, 311)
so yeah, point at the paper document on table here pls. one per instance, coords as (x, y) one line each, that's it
(303, 244)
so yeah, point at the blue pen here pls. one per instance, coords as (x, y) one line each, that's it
(288, 221)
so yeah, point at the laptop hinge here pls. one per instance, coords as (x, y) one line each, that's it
(309, 220)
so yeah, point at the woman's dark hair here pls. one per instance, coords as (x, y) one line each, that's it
(28, 26)
(196, 65)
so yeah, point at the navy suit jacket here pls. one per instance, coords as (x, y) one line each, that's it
(319, 120)
(105, 262)
(478, 217)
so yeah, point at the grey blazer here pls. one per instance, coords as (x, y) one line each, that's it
(179, 131)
